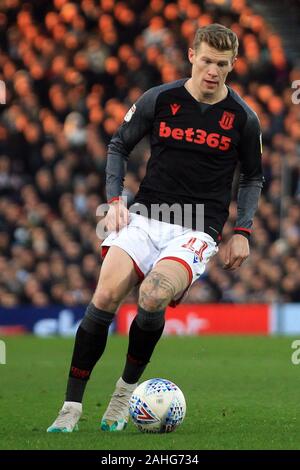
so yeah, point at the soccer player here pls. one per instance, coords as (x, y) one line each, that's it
(199, 130)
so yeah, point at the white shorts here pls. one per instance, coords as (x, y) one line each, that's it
(148, 241)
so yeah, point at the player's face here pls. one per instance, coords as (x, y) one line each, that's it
(210, 68)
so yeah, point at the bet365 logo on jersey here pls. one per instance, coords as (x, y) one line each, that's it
(197, 136)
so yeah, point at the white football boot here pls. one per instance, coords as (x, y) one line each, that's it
(68, 418)
(116, 415)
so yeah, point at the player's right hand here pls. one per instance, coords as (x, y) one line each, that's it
(117, 217)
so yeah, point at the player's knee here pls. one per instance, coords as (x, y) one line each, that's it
(106, 298)
(152, 303)
(153, 299)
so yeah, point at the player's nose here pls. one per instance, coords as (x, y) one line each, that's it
(213, 70)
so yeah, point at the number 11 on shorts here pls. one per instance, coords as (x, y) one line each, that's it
(190, 245)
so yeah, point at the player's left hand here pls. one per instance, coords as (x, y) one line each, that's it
(236, 251)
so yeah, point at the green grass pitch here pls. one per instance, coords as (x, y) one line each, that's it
(241, 393)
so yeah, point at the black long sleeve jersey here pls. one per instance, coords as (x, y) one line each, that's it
(194, 152)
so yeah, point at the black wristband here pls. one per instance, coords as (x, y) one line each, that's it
(245, 232)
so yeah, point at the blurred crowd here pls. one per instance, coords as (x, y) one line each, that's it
(72, 69)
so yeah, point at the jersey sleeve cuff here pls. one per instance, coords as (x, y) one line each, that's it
(246, 232)
(113, 199)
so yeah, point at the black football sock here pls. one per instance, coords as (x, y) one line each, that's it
(142, 343)
(89, 346)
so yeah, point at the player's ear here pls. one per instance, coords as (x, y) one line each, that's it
(233, 62)
(191, 55)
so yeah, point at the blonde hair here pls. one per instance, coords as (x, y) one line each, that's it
(217, 36)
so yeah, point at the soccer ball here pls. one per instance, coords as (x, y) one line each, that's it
(157, 406)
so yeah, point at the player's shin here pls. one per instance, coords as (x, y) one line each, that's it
(145, 331)
(89, 346)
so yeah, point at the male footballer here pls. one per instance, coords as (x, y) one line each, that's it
(199, 130)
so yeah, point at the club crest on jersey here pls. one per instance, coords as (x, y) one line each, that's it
(130, 113)
(226, 121)
(175, 107)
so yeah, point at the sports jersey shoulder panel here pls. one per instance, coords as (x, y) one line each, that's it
(251, 119)
(149, 98)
